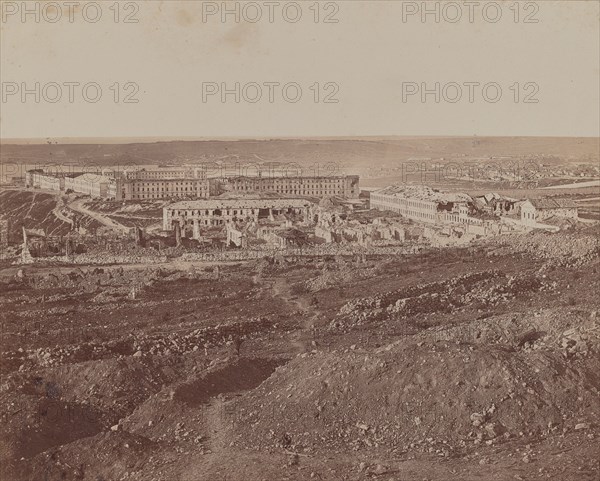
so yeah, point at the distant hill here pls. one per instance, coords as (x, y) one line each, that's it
(354, 153)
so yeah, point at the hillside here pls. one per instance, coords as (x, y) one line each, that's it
(350, 153)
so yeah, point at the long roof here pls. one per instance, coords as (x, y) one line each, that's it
(553, 203)
(290, 177)
(90, 177)
(239, 204)
(423, 192)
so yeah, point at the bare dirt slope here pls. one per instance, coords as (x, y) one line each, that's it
(38, 210)
(456, 364)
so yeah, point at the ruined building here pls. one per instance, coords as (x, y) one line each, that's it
(539, 210)
(496, 204)
(340, 186)
(210, 213)
(421, 203)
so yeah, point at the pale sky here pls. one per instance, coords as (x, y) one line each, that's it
(364, 61)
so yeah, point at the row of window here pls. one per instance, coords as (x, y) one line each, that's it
(248, 211)
(191, 213)
(290, 190)
(161, 175)
(406, 202)
(296, 182)
(201, 185)
(166, 189)
(413, 213)
(158, 195)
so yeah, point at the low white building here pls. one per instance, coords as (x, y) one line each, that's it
(90, 184)
(536, 211)
(38, 179)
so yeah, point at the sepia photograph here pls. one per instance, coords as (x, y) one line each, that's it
(349, 240)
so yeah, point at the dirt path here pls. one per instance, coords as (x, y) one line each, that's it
(57, 211)
(31, 206)
(78, 206)
(215, 414)
(216, 441)
(218, 460)
(281, 288)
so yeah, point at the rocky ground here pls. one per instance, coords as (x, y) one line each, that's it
(452, 364)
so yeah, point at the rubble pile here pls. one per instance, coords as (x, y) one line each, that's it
(108, 284)
(562, 249)
(488, 395)
(144, 256)
(90, 279)
(114, 455)
(454, 360)
(198, 339)
(572, 333)
(480, 289)
(331, 278)
(139, 346)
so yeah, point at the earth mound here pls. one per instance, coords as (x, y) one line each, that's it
(443, 397)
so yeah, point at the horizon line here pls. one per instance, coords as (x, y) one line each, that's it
(150, 139)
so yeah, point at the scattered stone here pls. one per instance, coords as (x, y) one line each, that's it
(380, 469)
(581, 426)
(477, 419)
